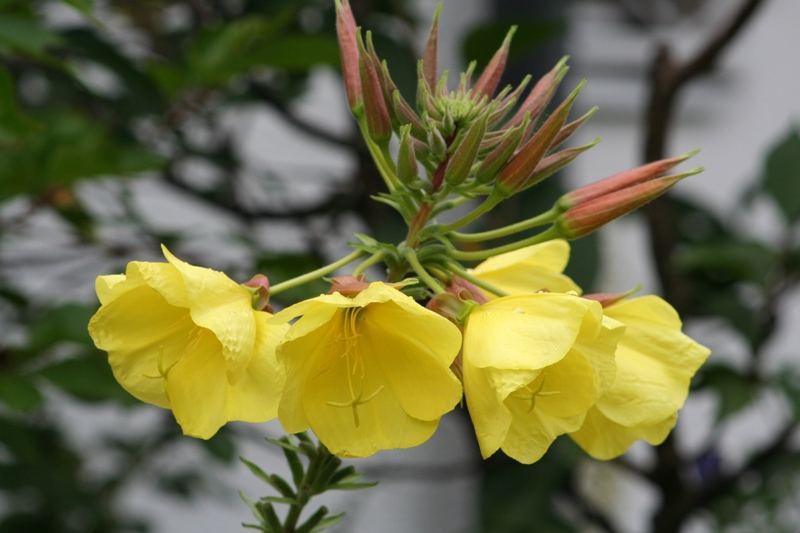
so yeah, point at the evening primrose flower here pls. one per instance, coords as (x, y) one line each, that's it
(530, 269)
(367, 373)
(187, 338)
(655, 364)
(533, 365)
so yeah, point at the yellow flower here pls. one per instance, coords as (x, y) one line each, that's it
(655, 364)
(367, 373)
(533, 365)
(655, 361)
(529, 269)
(186, 338)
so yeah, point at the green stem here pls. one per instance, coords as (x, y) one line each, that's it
(413, 261)
(487, 205)
(368, 262)
(547, 235)
(464, 273)
(315, 274)
(539, 220)
(379, 157)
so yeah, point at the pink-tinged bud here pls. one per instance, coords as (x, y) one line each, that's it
(542, 93)
(429, 56)
(490, 78)
(463, 158)
(259, 285)
(522, 165)
(348, 285)
(406, 115)
(466, 290)
(452, 307)
(379, 124)
(348, 50)
(607, 299)
(593, 214)
(567, 131)
(555, 162)
(407, 171)
(499, 156)
(622, 180)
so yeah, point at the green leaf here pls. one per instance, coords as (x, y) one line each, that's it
(19, 393)
(328, 522)
(25, 34)
(87, 378)
(781, 177)
(728, 262)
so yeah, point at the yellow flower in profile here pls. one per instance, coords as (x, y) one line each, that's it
(533, 365)
(367, 373)
(187, 338)
(530, 269)
(655, 364)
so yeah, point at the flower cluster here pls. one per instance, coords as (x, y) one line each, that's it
(374, 365)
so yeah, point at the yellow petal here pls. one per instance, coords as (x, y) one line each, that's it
(490, 417)
(359, 430)
(197, 386)
(104, 287)
(143, 336)
(523, 332)
(529, 269)
(604, 439)
(221, 305)
(655, 363)
(416, 366)
(255, 397)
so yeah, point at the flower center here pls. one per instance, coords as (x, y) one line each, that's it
(533, 390)
(354, 364)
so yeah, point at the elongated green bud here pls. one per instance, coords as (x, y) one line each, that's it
(406, 115)
(429, 56)
(522, 165)
(490, 78)
(497, 158)
(425, 101)
(463, 158)
(379, 124)
(567, 131)
(542, 93)
(406, 158)
(436, 143)
(555, 162)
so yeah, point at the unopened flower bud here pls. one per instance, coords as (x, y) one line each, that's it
(436, 142)
(555, 162)
(463, 158)
(407, 171)
(429, 56)
(542, 93)
(348, 51)
(568, 129)
(593, 214)
(452, 307)
(378, 122)
(621, 180)
(259, 286)
(499, 156)
(523, 164)
(406, 115)
(490, 78)
(348, 285)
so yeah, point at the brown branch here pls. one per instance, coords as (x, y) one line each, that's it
(668, 77)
